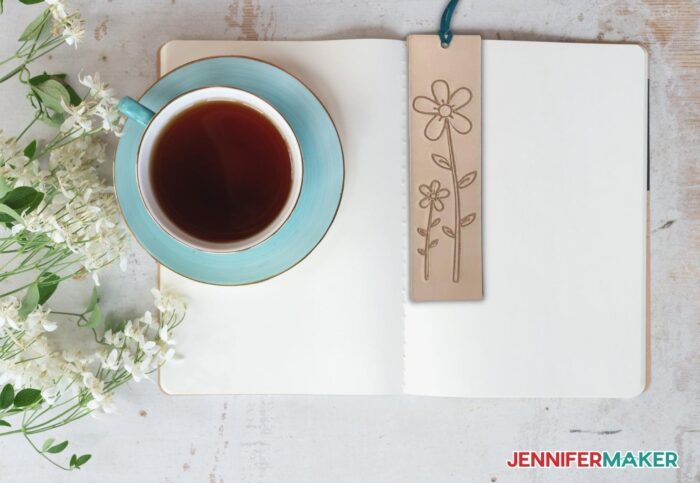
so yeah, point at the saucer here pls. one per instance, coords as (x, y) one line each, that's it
(322, 182)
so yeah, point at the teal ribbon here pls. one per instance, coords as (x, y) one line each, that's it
(445, 32)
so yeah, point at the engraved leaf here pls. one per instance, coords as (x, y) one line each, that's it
(422, 232)
(441, 161)
(435, 222)
(468, 220)
(448, 231)
(421, 251)
(467, 179)
(433, 243)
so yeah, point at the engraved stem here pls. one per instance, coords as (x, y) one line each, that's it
(426, 260)
(458, 209)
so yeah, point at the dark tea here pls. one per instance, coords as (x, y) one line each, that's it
(221, 171)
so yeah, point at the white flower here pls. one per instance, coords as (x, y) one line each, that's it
(132, 331)
(65, 24)
(104, 405)
(89, 380)
(35, 323)
(112, 119)
(148, 346)
(9, 312)
(57, 9)
(98, 89)
(148, 318)
(79, 211)
(40, 317)
(11, 153)
(101, 104)
(138, 349)
(111, 362)
(166, 302)
(132, 368)
(114, 339)
(50, 394)
(166, 353)
(73, 34)
(79, 119)
(165, 334)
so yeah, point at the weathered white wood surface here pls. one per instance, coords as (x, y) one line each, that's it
(158, 438)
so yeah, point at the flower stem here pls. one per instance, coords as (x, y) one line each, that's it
(36, 116)
(12, 57)
(43, 425)
(426, 259)
(456, 262)
(42, 453)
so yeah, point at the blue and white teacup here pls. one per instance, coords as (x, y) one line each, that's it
(155, 122)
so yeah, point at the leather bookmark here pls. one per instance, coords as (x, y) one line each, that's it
(445, 168)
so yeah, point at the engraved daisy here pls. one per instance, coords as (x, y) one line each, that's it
(444, 108)
(433, 195)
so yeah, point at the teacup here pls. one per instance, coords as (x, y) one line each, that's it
(235, 167)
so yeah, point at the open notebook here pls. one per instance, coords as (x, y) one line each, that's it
(564, 240)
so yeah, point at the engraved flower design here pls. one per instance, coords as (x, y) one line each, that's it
(444, 107)
(433, 195)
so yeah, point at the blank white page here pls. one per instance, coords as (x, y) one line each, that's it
(332, 324)
(564, 219)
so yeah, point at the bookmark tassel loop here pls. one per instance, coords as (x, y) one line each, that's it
(445, 33)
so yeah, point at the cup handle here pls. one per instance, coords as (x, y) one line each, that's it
(135, 111)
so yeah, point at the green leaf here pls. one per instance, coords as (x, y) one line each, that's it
(38, 79)
(47, 283)
(81, 460)
(30, 300)
(27, 397)
(4, 187)
(30, 2)
(5, 423)
(73, 459)
(30, 150)
(7, 396)
(57, 448)
(53, 120)
(7, 214)
(93, 300)
(23, 199)
(35, 27)
(74, 97)
(51, 92)
(47, 444)
(12, 73)
(95, 317)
